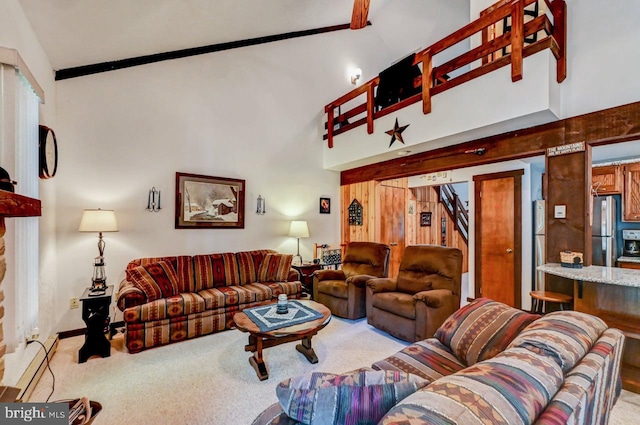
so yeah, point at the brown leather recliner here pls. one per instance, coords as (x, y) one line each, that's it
(343, 291)
(427, 291)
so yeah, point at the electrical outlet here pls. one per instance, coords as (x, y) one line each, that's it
(74, 302)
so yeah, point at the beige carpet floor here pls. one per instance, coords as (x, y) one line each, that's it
(208, 380)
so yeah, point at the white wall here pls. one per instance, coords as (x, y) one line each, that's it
(602, 55)
(252, 113)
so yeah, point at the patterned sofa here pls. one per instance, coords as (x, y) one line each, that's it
(170, 299)
(487, 364)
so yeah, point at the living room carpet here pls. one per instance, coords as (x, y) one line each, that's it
(208, 380)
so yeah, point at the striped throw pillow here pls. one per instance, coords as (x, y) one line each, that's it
(482, 329)
(156, 280)
(275, 268)
(566, 336)
(361, 397)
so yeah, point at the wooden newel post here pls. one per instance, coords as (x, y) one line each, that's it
(559, 11)
(370, 109)
(517, 39)
(330, 125)
(427, 81)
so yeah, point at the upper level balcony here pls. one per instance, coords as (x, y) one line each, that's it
(507, 78)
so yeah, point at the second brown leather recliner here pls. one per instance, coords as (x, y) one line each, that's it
(427, 291)
(343, 291)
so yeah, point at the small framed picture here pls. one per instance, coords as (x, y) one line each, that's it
(325, 205)
(425, 219)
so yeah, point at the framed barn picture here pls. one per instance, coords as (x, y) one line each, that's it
(207, 202)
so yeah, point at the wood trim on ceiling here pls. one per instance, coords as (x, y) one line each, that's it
(79, 71)
(607, 126)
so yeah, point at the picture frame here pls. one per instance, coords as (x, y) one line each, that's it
(208, 202)
(425, 219)
(325, 205)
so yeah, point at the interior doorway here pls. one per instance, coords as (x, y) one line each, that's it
(498, 236)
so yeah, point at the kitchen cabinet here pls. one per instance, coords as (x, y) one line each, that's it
(606, 180)
(628, 264)
(631, 194)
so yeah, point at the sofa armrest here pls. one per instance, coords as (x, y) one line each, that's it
(360, 280)
(293, 276)
(329, 275)
(382, 284)
(434, 298)
(130, 295)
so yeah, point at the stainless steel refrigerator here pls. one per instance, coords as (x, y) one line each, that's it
(539, 232)
(603, 231)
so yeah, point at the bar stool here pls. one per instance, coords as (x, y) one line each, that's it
(538, 298)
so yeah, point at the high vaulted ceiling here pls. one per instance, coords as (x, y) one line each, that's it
(81, 32)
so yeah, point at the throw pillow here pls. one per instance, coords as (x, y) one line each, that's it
(361, 397)
(482, 329)
(275, 268)
(156, 280)
(565, 336)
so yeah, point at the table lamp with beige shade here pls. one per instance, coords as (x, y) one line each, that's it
(99, 220)
(298, 229)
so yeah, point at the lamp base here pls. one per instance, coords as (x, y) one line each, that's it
(297, 260)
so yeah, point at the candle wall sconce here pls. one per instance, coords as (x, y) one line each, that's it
(261, 208)
(153, 201)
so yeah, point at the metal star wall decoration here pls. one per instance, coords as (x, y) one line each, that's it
(396, 133)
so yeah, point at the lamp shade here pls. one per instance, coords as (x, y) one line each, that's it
(299, 229)
(98, 221)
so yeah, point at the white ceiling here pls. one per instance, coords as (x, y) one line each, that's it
(83, 32)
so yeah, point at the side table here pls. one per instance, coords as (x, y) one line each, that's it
(306, 275)
(95, 313)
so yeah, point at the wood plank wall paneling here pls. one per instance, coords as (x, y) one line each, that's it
(423, 198)
(567, 177)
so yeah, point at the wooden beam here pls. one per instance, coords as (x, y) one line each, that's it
(614, 125)
(360, 14)
(79, 71)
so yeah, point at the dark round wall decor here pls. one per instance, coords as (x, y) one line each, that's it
(48, 152)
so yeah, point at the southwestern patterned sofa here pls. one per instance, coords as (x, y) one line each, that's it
(170, 299)
(487, 364)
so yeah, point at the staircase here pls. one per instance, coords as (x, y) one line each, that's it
(458, 213)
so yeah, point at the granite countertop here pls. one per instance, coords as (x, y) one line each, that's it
(599, 274)
(629, 259)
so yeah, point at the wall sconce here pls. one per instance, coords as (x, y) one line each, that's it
(261, 208)
(153, 202)
(355, 75)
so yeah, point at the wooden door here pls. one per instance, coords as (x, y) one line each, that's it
(498, 230)
(390, 208)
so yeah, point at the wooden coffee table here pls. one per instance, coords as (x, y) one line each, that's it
(260, 340)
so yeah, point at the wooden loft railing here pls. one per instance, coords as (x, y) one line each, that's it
(435, 80)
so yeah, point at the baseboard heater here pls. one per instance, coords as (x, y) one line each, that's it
(29, 379)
